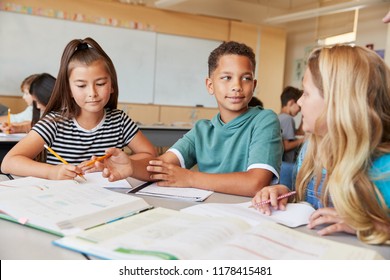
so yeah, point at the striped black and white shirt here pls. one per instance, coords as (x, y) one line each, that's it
(76, 144)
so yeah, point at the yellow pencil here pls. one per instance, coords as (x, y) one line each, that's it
(9, 119)
(60, 158)
(97, 159)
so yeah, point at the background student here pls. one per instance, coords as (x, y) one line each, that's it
(344, 168)
(290, 109)
(41, 89)
(80, 121)
(291, 142)
(26, 114)
(237, 152)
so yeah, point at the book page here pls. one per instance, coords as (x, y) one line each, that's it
(191, 194)
(155, 234)
(296, 214)
(168, 234)
(270, 241)
(64, 206)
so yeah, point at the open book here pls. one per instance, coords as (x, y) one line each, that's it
(64, 207)
(295, 215)
(168, 234)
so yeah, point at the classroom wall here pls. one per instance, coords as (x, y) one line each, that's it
(301, 37)
(15, 103)
(269, 43)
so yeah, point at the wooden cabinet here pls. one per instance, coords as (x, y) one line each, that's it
(15, 103)
(143, 113)
(166, 115)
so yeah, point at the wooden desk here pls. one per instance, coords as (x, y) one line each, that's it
(164, 136)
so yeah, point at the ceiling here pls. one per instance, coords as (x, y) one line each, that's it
(257, 11)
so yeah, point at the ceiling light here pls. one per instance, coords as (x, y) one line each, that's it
(338, 8)
(167, 3)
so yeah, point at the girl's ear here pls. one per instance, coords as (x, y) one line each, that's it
(209, 86)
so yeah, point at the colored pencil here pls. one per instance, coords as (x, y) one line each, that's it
(97, 159)
(9, 119)
(278, 198)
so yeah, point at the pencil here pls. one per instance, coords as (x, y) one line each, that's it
(60, 158)
(9, 119)
(278, 198)
(98, 159)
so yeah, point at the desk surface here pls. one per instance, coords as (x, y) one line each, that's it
(12, 138)
(21, 242)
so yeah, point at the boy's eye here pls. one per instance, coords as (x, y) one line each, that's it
(225, 78)
(247, 78)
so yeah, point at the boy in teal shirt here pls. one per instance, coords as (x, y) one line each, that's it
(238, 152)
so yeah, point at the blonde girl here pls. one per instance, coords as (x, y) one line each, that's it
(344, 167)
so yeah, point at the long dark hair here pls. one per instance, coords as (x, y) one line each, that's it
(41, 89)
(85, 51)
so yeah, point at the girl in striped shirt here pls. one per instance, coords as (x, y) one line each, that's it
(80, 121)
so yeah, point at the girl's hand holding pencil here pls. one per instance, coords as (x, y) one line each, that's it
(275, 196)
(70, 168)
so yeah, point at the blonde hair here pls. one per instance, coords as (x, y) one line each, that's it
(355, 84)
(26, 83)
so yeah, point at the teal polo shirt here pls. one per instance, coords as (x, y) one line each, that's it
(252, 140)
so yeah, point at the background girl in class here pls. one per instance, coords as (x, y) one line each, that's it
(344, 167)
(81, 119)
(26, 114)
(40, 91)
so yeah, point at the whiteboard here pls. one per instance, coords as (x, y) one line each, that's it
(152, 68)
(31, 44)
(182, 69)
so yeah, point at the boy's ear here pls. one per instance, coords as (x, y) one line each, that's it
(209, 86)
(290, 102)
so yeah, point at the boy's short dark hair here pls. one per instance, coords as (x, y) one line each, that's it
(230, 47)
(290, 93)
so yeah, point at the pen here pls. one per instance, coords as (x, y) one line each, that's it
(60, 158)
(9, 119)
(98, 159)
(278, 198)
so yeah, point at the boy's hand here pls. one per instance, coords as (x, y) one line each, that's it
(168, 174)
